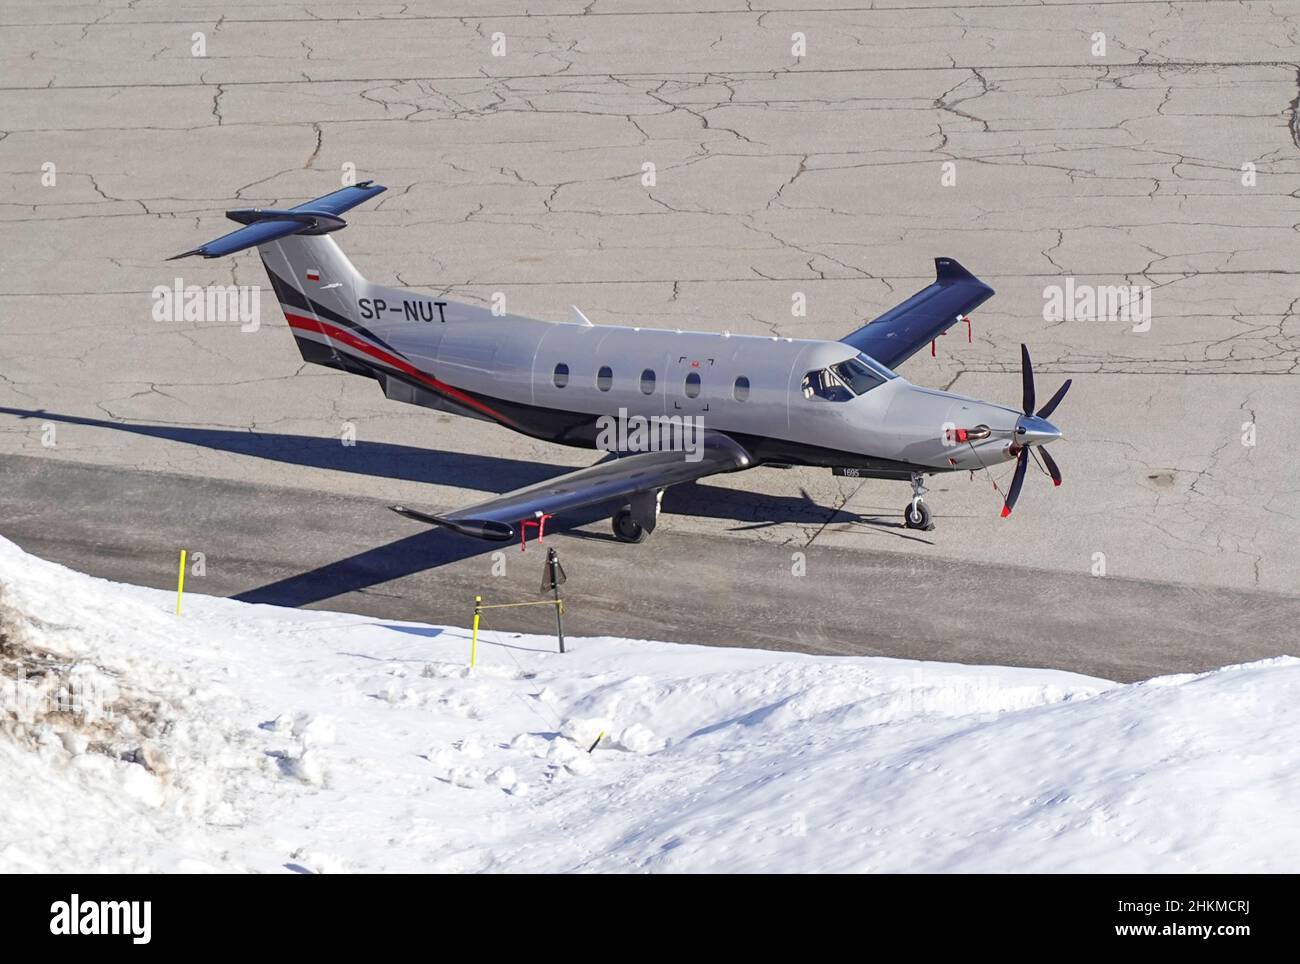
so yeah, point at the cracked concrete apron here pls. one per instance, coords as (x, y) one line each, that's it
(774, 175)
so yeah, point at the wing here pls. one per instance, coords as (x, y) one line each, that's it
(905, 329)
(619, 478)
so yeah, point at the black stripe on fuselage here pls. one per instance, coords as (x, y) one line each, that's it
(319, 353)
(287, 294)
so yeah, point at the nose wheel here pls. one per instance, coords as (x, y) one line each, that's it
(916, 514)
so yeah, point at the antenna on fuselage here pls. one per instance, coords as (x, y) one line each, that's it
(581, 317)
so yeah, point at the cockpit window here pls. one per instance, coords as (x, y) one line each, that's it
(846, 379)
(857, 376)
(876, 367)
(823, 383)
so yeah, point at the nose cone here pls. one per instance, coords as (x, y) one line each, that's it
(1032, 430)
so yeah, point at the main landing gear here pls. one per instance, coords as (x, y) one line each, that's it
(636, 520)
(917, 514)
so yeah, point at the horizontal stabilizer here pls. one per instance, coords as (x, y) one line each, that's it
(262, 226)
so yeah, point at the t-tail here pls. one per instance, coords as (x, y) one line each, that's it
(338, 318)
(315, 283)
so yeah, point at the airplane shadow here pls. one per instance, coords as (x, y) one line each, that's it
(433, 547)
(406, 463)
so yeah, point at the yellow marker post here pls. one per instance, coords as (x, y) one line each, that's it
(473, 639)
(180, 583)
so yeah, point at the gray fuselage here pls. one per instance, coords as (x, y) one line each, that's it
(554, 380)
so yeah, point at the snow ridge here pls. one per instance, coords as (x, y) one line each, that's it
(248, 738)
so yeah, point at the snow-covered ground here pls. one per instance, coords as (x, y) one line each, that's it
(249, 738)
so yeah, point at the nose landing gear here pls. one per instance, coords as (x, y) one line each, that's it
(916, 515)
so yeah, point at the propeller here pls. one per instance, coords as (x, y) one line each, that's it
(1033, 429)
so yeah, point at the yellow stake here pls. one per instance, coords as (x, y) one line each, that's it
(180, 583)
(473, 640)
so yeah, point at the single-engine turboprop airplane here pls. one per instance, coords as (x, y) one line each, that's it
(749, 400)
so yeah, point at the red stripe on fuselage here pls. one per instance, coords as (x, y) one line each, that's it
(401, 364)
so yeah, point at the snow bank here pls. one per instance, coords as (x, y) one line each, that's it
(247, 738)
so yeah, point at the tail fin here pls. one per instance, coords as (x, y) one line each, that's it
(316, 285)
(338, 318)
(262, 226)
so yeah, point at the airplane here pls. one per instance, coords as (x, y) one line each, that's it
(726, 402)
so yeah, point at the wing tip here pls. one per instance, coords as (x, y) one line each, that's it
(487, 529)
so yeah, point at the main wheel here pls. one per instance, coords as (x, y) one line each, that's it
(916, 515)
(627, 529)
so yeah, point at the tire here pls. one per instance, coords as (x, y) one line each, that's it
(916, 515)
(627, 529)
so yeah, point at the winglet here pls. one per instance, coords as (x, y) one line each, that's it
(950, 269)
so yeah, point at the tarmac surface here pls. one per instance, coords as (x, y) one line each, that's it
(287, 546)
(1170, 160)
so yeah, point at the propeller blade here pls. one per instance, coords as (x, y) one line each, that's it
(1017, 480)
(1052, 468)
(1027, 379)
(1055, 400)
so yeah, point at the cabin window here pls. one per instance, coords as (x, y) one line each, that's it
(741, 389)
(693, 385)
(605, 378)
(648, 382)
(561, 375)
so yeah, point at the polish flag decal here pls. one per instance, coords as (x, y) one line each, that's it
(313, 274)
